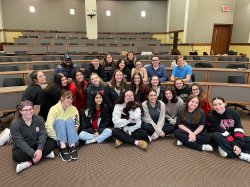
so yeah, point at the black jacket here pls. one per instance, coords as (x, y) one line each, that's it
(90, 69)
(86, 122)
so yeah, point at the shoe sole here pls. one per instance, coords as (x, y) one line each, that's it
(65, 160)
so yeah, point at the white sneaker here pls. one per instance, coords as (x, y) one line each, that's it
(149, 139)
(90, 141)
(51, 155)
(5, 136)
(222, 152)
(22, 166)
(207, 147)
(245, 156)
(179, 143)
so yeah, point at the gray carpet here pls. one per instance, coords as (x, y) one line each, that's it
(163, 164)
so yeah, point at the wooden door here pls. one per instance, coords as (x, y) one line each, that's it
(221, 39)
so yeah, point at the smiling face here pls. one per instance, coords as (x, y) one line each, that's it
(137, 79)
(155, 61)
(155, 81)
(64, 81)
(152, 97)
(219, 106)
(138, 64)
(27, 112)
(178, 84)
(122, 65)
(95, 62)
(180, 62)
(195, 90)
(193, 104)
(109, 58)
(168, 95)
(95, 80)
(66, 101)
(79, 77)
(98, 99)
(130, 56)
(129, 96)
(40, 79)
(118, 76)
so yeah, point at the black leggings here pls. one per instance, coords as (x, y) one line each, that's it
(138, 134)
(167, 128)
(19, 156)
(201, 138)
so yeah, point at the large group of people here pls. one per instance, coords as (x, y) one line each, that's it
(95, 105)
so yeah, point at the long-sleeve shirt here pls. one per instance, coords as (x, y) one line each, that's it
(172, 109)
(119, 122)
(56, 112)
(24, 136)
(229, 125)
(147, 118)
(160, 72)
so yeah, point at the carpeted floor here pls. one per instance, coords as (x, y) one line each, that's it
(163, 164)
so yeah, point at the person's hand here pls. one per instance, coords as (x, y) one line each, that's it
(192, 137)
(37, 156)
(70, 80)
(96, 134)
(162, 134)
(236, 150)
(131, 120)
(154, 136)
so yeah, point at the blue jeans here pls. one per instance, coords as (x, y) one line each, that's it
(103, 136)
(65, 131)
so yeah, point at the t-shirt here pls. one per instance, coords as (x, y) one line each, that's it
(182, 72)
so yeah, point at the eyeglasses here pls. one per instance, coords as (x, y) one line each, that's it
(155, 60)
(28, 110)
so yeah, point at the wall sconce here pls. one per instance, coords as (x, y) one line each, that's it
(91, 13)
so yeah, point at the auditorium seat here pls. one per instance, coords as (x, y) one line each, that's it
(9, 68)
(40, 66)
(8, 82)
(238, 80)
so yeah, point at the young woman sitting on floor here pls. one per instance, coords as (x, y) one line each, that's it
(94, 122)
(30, 142)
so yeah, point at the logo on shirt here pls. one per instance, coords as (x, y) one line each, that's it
(37, 129)
(226, 123)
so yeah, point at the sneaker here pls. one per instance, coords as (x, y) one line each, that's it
(51, 155)
(207, 147)
(222, 152)
(149, 139)
(5, 136)
(65, 155)
(73, 153)
(179, 143)
(23, 165)
(142, 144)
(245, 156)
(118, 143)
(90, 141)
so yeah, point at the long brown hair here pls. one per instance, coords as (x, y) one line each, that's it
(112, 83)
(79, 86)
(141, 85)
(196, 117)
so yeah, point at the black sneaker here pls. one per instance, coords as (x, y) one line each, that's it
(65, 155)
(73, 153)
